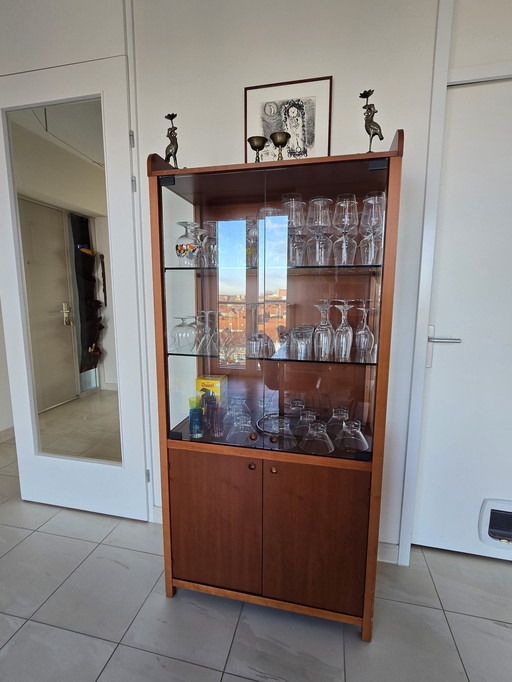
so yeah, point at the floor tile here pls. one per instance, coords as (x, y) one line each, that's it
(9, 487)
(484, 646)
(7, 453)
(139, 535)
(412, 584)
(133, 665)
(233, 678)
(47, 654)
(8, 626)
(10, 469)
(289, 647)
(31, 571)
(23, 514)
(10, 537)
(81, 525)
(100, 451)
(191, 626)
(103, 595)
(475, 585)
(409, 643)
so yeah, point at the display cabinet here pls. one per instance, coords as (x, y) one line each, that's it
(273, 322)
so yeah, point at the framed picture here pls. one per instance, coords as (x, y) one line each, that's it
(301, 108)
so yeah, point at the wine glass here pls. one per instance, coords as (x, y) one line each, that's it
(294, 209)
(183, 335)
(343, 336)
(210, 243)
(301, 343)
(323, 337)
(188, 245)
(318, 221)
(364, 337)
(208, 345)
(258, 344)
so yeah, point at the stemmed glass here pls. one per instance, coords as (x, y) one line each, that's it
(294, 209)
(210, 243)
(208, 345)
(183, 335)
(188, 245)
(259, 344)
(343, 335)
(323, 337)
(372, 223)
(319, 247)
(364, 336)
(345, 222)
(251, 242)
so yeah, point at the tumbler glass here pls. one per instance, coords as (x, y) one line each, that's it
(317, 441)
(301, 343)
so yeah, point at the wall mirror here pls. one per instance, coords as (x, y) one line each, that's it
(59, 172)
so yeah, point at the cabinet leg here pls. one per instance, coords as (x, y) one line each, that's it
(367, 630)
(170, 590)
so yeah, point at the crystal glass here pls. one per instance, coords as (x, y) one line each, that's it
(258, 344)
(346, 216)
(216, 421)
(279, 433)
(323, 337)
(364, 337)
(336, 422)
(236, 406)
(208, 345)
(343, 336)
(242, 432)
(302, 426)
(319, 217)
(370, 250)
(294, 209)
(210, 256)
(251, 242)
(301, 343)
(317, 441)
(372, 216)
(183, 336)
(344, 250)
(188, 245)
(351, 437)
(319, 250)
(291, 196)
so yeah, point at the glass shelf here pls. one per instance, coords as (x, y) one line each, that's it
(263, 442)
(291, 269)
(352, 361)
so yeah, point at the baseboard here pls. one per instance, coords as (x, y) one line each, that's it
(387, 553)
(6, 434)
(157, 515)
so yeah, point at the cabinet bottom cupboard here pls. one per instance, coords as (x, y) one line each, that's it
(279, 532)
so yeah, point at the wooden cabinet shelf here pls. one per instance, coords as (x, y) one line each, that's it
(263, 518)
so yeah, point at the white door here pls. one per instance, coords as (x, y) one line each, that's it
(47, 277)
(99, 486)
(465, 453)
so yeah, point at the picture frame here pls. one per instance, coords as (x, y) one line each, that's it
(301, 107)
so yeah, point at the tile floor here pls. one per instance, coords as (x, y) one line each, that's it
(87, 427)
(82, 600)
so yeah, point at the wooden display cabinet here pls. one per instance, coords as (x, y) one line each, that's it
(267, 521)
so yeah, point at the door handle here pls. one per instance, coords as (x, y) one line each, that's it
(66, 315)
(436, 339)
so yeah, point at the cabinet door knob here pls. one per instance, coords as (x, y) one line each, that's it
(252, 466)
(273, 470)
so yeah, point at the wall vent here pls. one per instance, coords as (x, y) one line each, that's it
(495, 523)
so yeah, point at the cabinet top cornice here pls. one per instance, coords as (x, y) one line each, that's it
(157, 166)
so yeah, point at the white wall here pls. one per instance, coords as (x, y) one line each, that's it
(481, 33)
(37, 34)
(195, 58)
(49, 174)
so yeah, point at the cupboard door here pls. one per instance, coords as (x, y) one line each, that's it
(216, 519)
(315, 524)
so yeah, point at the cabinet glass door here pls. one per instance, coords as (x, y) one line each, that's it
(272, 327)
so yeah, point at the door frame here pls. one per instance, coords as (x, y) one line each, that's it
(444, 78)
(102, 487)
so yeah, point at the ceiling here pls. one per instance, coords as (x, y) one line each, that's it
(75, 126)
